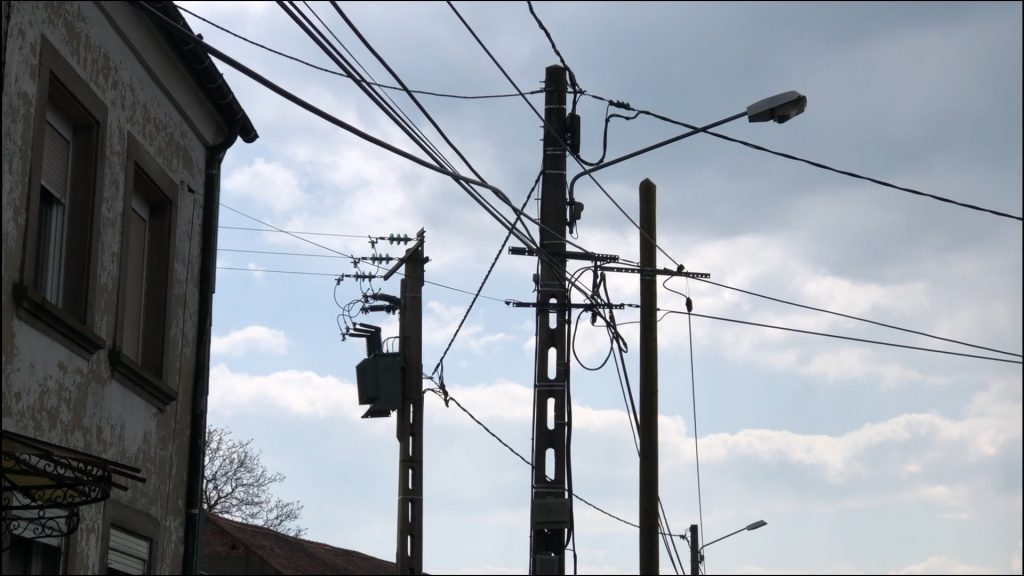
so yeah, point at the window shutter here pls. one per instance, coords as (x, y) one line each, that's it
(56, 161)
(127, 553)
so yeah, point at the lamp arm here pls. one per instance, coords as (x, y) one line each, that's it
(722, 538)
(636, 153)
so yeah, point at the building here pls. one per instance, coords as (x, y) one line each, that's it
(231, 547)
(114, 129)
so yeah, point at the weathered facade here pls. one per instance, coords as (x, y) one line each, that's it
(113, 134)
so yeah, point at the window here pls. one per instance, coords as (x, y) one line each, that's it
(36, 534)
(146, 257)
(127, 553)
(57, 271)
(35, 556)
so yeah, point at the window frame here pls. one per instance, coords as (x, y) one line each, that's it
(148, 373)
(133, 521)
(70, 320)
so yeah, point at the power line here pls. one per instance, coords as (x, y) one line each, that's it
(880, 343)
(287, 95)
(813, 163)
(278, 271)
(329, 249)
(696, 448)
(859, 319)
(342, 74)
(279, 253)
(364, 236)
(572, 76)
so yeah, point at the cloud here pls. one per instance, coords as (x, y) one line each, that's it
(295, 392)
(944, 565)
(269, 183)
(250, 339)
(441, 321)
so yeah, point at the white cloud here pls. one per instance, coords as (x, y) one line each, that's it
(981, 435)
(944, 565)
(296, 392)
(258, 339)
(441, 321)
(270, 183)
(257, 272)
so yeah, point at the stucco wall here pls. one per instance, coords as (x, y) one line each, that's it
(50, 392)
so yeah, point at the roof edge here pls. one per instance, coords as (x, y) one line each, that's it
(204, 71)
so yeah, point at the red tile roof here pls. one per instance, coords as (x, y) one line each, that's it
(291, 555)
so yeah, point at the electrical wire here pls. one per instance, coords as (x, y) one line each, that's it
(504, 222)
(272, 253)
(817, 164)
(851, 317)
(364, 236)
(277, 271)
(696, 447)
(329, 249)
(572, 76)
(851, 338)
(342, 74)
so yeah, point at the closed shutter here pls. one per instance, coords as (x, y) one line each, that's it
(127, 553)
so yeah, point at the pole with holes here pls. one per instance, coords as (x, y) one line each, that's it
(549, 505)
(409, 429)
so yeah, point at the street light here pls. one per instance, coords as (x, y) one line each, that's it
(697, 554)
(779, 108)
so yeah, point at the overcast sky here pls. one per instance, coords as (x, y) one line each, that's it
(861, 458)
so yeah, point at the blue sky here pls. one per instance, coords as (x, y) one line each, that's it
(862, 459)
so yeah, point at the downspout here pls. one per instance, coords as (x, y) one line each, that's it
(201, 381)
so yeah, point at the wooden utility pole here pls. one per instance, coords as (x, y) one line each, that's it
(648, 380)
(549, 505)
(694, 551)
(409, 428)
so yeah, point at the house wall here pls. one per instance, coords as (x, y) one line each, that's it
(51, 392)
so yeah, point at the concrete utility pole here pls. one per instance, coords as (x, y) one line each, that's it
(648, 380)
(549, 509)
(409, 428)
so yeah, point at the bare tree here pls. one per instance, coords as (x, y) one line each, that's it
(236, 485)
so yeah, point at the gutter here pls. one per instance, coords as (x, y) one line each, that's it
(201, 381)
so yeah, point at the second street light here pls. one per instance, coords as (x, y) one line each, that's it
(697, 554)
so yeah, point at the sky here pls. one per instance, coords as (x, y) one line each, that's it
(861, 458)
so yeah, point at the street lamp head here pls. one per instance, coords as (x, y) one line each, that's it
(779, 108)
(756, 525)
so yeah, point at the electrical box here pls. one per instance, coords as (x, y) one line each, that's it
(379, 383)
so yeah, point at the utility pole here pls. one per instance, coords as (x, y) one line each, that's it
(648, 380)
(409, 428)
(694, 551)
(549, 505)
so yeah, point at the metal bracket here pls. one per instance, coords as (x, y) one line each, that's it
(569, 254)
(571, 306)
(655, 271)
